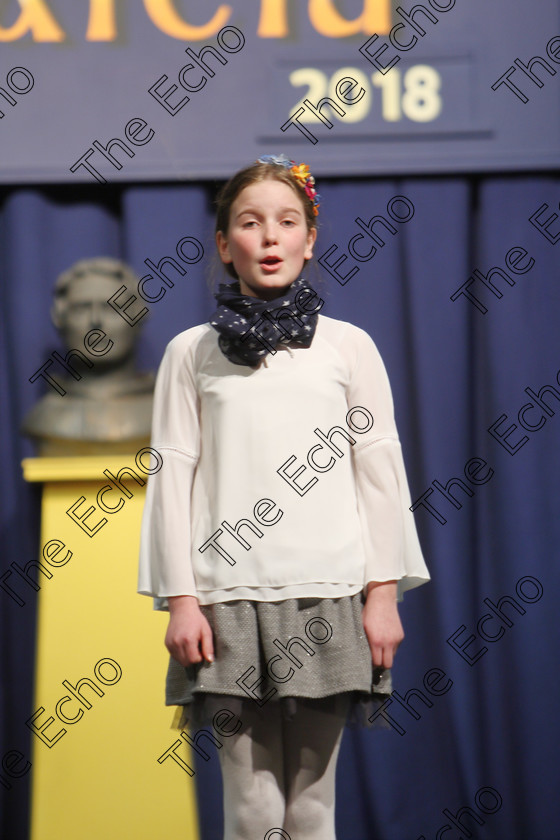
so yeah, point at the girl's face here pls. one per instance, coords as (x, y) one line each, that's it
(267, 240)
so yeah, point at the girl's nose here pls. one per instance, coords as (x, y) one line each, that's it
(269, 233)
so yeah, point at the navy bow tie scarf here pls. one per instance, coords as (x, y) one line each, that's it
(249, 327)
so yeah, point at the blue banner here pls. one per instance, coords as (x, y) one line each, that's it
(109, 91)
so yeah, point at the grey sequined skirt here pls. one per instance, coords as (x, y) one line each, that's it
(297, 651)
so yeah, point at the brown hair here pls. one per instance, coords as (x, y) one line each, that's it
(254, 174)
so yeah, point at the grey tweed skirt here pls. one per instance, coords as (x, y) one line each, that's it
(297, 651)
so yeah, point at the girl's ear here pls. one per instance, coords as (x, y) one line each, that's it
(223, 247)
(311, 238)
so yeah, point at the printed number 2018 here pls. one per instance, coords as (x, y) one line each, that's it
(419, 101)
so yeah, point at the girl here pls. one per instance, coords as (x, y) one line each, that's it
(278, 532)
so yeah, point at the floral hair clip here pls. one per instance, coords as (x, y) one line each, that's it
(302, 175)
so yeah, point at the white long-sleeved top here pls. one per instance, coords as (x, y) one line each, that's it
(285, 481)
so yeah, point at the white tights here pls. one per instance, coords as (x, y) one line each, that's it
(279, 774)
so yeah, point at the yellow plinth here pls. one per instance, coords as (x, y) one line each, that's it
(99, 776)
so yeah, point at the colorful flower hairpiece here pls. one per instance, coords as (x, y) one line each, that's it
(302, 175)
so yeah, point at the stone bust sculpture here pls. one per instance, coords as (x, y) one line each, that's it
(107, 404)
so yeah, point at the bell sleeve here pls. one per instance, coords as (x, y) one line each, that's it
(165, 567)
(390, 539)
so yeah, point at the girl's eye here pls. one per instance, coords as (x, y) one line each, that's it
(289, 222)
(249, 224)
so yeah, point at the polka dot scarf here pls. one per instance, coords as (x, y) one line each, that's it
(249, 328)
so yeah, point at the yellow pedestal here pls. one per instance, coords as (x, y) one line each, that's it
(101, 776)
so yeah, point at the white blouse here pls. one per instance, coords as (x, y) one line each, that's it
(284, 481)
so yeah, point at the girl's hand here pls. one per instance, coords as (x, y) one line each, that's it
(188, 631)
(382, 623)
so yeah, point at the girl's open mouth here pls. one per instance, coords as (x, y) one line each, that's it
(271, 263)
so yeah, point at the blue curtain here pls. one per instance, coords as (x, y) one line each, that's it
(473, 725)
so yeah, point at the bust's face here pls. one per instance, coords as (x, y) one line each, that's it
(85, 308)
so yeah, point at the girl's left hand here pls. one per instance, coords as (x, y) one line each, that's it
(382, 623)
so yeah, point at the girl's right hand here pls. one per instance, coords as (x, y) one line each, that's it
(188, 631)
